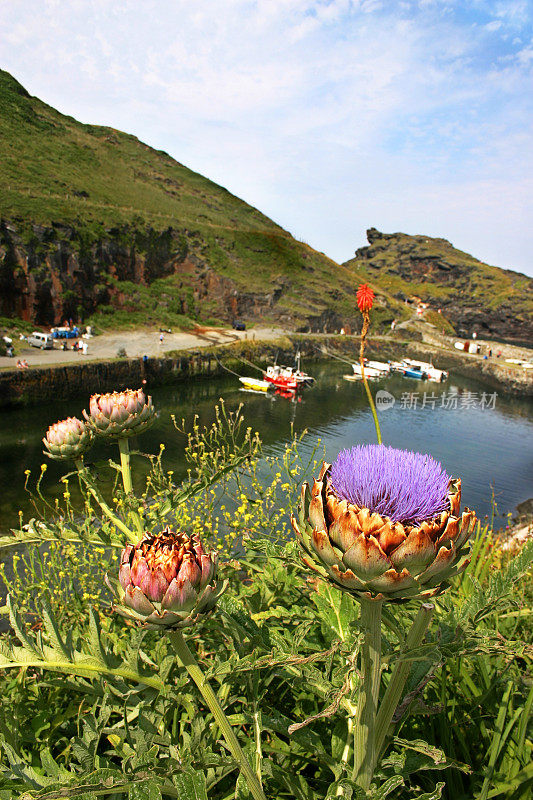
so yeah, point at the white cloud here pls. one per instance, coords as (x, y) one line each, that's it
(329, 115)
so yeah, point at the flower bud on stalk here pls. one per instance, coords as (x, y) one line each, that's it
(166, 580)
(68, 438)
(120, 414)
(365, 301)
(364, 297)
(384, 524)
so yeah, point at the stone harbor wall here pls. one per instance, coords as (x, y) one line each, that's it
(38, 385)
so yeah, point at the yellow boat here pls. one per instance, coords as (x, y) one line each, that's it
(255, 384)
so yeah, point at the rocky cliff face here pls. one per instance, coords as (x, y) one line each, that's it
(56, 275)
(474, 296)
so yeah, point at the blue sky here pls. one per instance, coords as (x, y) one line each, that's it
(330, 116)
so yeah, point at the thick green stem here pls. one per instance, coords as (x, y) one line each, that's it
(187, 659)
(85, 477)
(371, 403)
(364, 331)
(394, 691)
(367, 703)
(124, 447)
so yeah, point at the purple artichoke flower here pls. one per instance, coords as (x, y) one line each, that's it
(407, 487)
(384, 523)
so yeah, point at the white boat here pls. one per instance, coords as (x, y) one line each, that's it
(432, 372)
(296, 373)
(255, 384)
(397, 366)
(299, 376)
(370, 372)
(383, 366)
(288, 377)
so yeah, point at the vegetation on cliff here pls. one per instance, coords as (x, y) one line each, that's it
(472, 295)
(98, 227)
(92, 217)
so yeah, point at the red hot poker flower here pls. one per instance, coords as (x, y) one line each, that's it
(365, 297)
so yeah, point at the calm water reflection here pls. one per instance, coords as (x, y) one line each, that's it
(487, 447)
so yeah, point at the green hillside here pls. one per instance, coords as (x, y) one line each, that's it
(97, 226)
(472, 295)
(84, 187)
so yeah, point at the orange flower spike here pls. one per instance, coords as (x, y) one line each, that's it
(365, 297)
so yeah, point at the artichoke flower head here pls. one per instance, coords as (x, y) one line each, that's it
(68, 438)
(120, 414)
(166, 580)
(384, 524)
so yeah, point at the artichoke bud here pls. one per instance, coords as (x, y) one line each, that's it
(167, 580)
(120, 414)
(384, 524)
(68, 438)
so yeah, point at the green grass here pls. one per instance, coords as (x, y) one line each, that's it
(408, 265)
(87, 183)
(70, 185)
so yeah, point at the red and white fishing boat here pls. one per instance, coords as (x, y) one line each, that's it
(278, 377)
(290, 378)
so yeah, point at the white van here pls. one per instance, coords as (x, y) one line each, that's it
(43, 340)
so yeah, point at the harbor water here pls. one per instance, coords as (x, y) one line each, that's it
(484, 437)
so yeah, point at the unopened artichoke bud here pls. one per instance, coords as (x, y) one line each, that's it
(68, 438)
(120, 414)
(384, 524)
(167, 580)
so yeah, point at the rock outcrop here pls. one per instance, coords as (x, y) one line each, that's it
(474, 296)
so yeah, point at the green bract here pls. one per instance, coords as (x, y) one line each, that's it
(373, 556)
(68, 438)
(120, 414)
(166, 580)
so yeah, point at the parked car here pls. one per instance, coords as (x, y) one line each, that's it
(43, 340)
(238, 326)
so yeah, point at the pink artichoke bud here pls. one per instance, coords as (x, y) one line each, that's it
(69, 438)
(166, 580)
(384, 523)
(120, 414)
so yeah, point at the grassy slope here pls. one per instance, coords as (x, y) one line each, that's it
(474, 284)
(55, 169)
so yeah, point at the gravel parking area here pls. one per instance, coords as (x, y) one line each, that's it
(136, 344)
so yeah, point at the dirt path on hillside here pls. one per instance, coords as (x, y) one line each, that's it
(136, 344)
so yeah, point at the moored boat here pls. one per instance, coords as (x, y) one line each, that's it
(255, 384)
(370, 372)
(411, 372)
(288, 377)
(382, 366)
(279, 378)
(432, 372)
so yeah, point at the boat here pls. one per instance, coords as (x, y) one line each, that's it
(382, 366)
(433, 374)
(397, 366)
(255, 384)
(370, 372)
(288, 377)
(410, 372)
(279, 378)
(302, 378)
